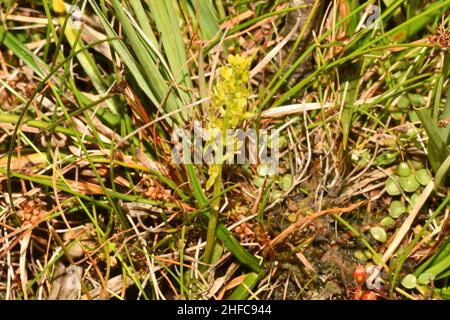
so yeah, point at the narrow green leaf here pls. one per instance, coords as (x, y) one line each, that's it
(223, 233)
(22, 52)
(146, 74)
(242, 291)
(437, 148)
(144, 22)
(168, 24)
(207, 17)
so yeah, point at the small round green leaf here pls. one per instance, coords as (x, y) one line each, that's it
(403, 103)
(426, 278)
(403, 169)
(413, 116)
(397, 115)
(386, 158)
(423, 177)
(416, 164)
(286, 182)
(409, 183)
(387, 221)
(378, 234)
(414, 198)
(396, 209)
(258, 181)
(392, 187)
(409, 281)
(360, 255)
(416, 100)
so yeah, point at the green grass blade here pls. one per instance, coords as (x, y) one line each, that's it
(207, 18)
(437, 148)
(167, 22)
(445, 115)
(222, 232)
(144, 70)
(143, 20)
(22, 52)
(242, 291)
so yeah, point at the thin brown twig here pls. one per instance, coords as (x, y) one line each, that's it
(304, 221)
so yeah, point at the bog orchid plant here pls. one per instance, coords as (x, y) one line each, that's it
(229, 108)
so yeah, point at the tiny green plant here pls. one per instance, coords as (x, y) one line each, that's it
(228, 110)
